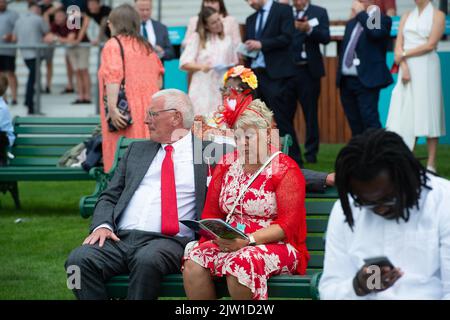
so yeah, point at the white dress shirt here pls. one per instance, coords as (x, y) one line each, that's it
(144, 210)
(419, 247)
(150, 32)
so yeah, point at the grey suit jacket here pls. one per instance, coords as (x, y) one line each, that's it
(162, 40)
(315, 180)
(132, 169)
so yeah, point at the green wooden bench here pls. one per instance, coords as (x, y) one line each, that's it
(283, 286)
(318, 208)
(40, 142)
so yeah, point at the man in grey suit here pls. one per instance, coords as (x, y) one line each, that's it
(153, 31)
(129, 222)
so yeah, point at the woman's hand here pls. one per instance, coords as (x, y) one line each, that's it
(398, 57)
(118, 120)
(406, 76)
(205, 68)
(230, 245)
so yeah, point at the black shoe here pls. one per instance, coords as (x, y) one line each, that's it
(47, 90)
(86, 101)
(66, 90)
(78, 101)
(14, 103)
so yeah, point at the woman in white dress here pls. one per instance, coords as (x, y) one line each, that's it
(230, 24)
(417, 108)
(208, 54)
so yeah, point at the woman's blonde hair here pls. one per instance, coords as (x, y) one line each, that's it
(257, 114)
(202, 23)
(126, 22)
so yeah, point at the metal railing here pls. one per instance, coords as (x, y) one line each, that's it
(40, 54)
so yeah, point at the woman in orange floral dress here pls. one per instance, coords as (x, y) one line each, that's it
(143, 77)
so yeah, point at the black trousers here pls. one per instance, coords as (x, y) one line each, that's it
(360, 105)
(306, 89)
(146, 256)
(29, 95)
(275, 93)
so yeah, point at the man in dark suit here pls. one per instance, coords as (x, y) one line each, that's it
(155, 32)
(312, 29)
(158, 182)
(362, 70)
(270, 31)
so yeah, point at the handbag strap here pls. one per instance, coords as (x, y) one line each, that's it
(122, 54)
(249, 183)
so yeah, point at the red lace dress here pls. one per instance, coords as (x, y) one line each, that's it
(275, 197)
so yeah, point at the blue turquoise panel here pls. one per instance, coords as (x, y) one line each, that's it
(396, 25)
(385, 95)
(174, 77)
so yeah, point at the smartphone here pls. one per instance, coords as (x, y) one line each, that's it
(379, 261)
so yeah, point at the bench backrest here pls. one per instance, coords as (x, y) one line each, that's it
(41, 141)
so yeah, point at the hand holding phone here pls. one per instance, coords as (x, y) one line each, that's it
(379, 261)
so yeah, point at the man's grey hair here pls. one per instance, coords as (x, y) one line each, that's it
(177, 99)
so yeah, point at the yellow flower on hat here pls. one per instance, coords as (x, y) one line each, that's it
(247, 76)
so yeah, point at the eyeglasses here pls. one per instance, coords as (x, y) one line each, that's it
(225, 90)
(155, 114)
(376, 204)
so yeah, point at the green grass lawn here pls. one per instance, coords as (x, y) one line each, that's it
(32, 252)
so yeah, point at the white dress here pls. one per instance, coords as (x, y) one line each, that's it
(204, 89)
(417, 108)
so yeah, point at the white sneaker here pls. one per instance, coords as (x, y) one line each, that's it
(431, 169)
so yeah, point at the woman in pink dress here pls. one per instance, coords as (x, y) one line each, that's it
(208, 54)
(270, 210)
(230, 24)
(143, 77)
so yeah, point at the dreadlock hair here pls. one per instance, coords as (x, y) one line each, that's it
(368, 154)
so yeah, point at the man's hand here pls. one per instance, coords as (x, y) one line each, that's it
(101, 235)
(253, 45)
(159, 51)
(357, 7)
(231, 245)
(302, 26)
(388, 278)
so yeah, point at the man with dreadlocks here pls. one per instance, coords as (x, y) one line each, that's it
(390, 206)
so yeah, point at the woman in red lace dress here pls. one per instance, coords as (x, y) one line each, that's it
(271, 212)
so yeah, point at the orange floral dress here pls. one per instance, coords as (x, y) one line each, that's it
(142, 71)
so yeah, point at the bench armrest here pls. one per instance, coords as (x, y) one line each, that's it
(314, 286)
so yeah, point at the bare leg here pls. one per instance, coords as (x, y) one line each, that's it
(86, 84)
(432, 149)
(237, 290)
(79, 81)
(12, 79)
(198, 283)
(69, 74)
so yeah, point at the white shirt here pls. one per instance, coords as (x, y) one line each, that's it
(150, 32)
(419, 247)
(144, 210)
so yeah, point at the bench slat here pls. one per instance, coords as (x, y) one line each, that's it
(42, 151)
(34, 161)
(49, 141)
(54, 130)
(319, 207)
(57, 120)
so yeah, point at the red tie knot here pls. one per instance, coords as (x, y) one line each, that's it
(168, 148)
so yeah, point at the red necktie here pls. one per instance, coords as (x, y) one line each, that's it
(169, 210)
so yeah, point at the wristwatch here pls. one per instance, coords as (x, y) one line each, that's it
(404, 54)
(251, 240)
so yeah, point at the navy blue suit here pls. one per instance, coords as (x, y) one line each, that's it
(162, 40)
(360, 94)
(273, 80)
(309, 71)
